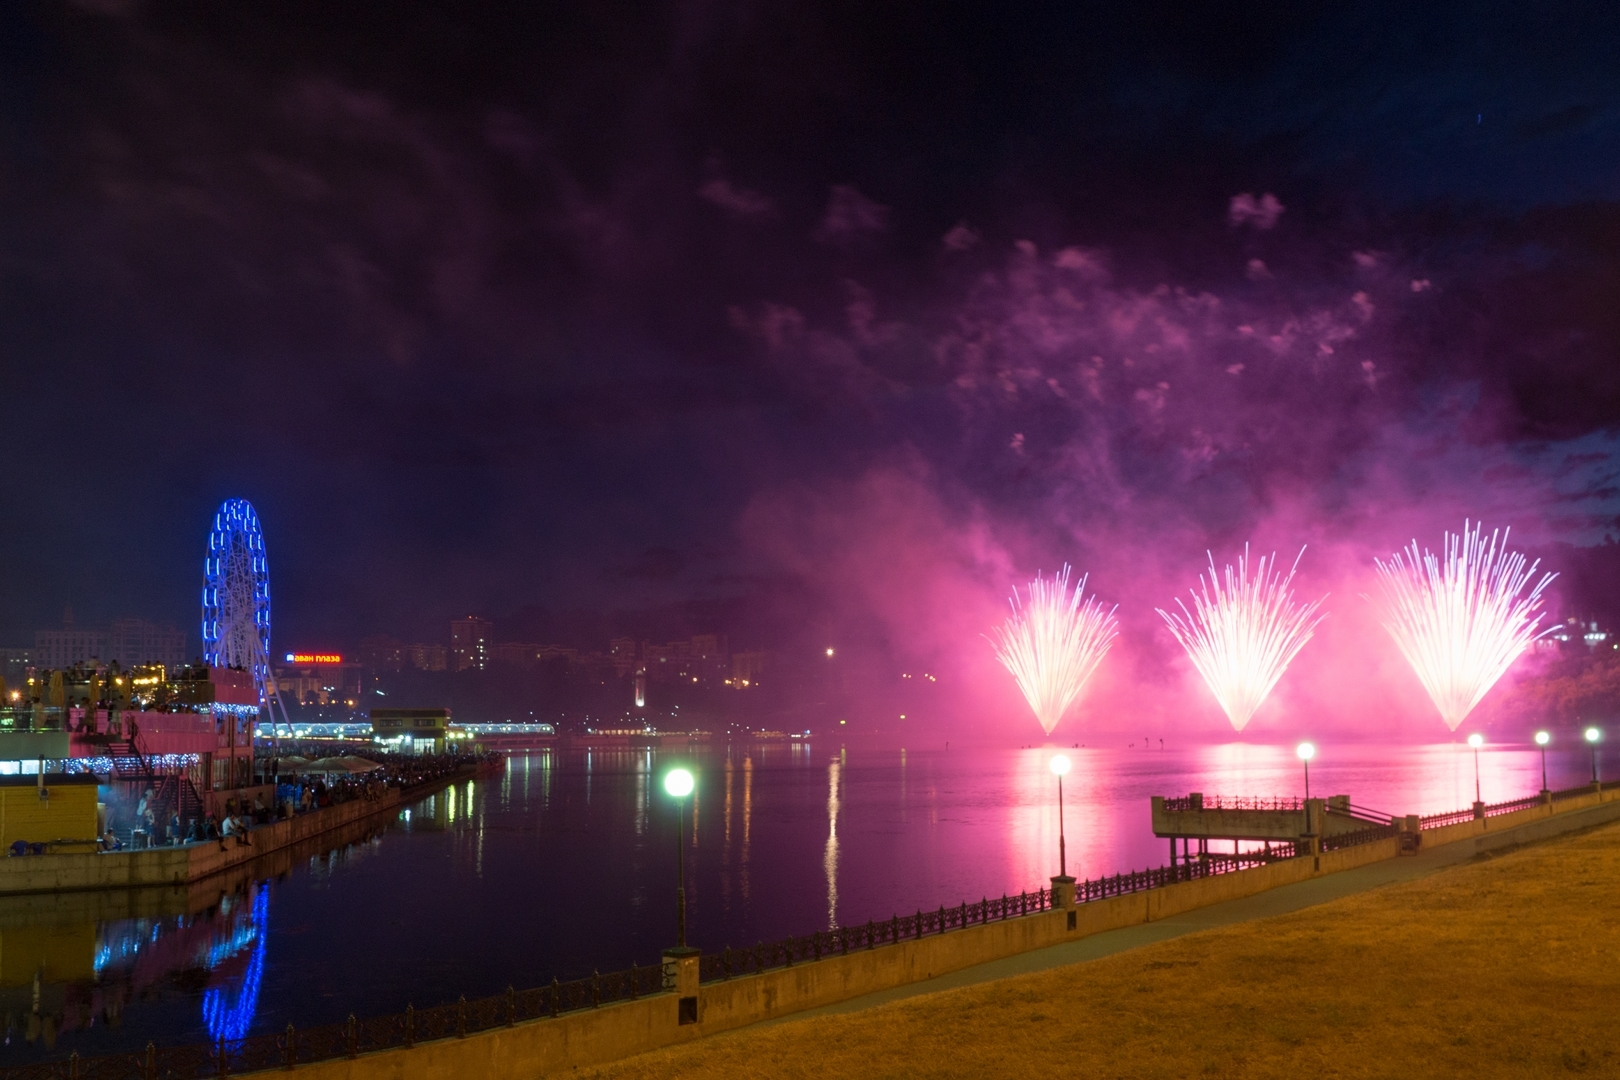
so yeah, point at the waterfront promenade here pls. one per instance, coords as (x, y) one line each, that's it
(185, 864)
(1485, 966)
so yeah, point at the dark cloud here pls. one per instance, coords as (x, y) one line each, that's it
(482, 306)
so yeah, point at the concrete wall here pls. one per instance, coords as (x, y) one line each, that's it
(68, 814)
(173, 865)
(592, 1037)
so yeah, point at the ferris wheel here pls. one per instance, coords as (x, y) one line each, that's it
(236, 594)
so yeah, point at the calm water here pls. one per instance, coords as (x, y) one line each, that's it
(566, 864)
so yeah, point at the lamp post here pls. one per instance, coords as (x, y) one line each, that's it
(1592, 736)
(1306, 751)
(678, 782)
(1476, 740)
(1542, 739)
(1060, 765)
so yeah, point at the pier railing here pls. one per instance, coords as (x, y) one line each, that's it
(1456, 817)
(1186, 803)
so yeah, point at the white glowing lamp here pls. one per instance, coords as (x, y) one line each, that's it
(678, 782)
(1306, 751)
(1593, 734)
(1476, 740)
(1059, 764)
(1542, 738)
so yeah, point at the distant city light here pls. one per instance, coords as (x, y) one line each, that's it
(829, 652)
(314, 658)
(678, 782)
(1306, 751)
(1059, 764)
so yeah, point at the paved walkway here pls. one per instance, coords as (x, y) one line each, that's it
(1278, 901)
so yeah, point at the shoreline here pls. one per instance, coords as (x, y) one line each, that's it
(189, 864)
(589, 1036)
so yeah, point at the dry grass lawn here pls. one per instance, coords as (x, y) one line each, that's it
(1506, 967)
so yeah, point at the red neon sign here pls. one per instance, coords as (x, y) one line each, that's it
(314, 658)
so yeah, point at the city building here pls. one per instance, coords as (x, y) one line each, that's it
(317, 679)
(14, 665)
(429, 657)
(129, 642)
(747, 667)
(383, 653)
(136, 641)
(470, 641)
(411, 731)
(625, 655)
(66, 647)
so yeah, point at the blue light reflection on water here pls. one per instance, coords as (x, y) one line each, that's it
(228, 1011)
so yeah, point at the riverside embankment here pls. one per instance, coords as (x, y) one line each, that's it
(69, 872)
(521, 1035)
(1494, 967)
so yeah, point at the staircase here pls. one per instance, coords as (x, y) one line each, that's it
(176, 794)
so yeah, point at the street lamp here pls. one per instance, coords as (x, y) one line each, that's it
(678, 782)
(1592, 736)
(1306, 751)
(1060, 765)
(1542, 739)
(1476, 740)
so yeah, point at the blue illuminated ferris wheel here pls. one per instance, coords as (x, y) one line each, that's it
(236, 594)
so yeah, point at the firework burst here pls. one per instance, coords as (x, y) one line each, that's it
(1052, 643)
(1462, 618)
(1243, 632)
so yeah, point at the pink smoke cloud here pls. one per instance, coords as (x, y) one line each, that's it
(739, 201)
(850, 215)
(1262, 213)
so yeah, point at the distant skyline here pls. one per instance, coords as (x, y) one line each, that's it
(841, 320)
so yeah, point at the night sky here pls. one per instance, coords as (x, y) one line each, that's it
(860, 313)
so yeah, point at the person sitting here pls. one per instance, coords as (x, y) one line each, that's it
(19, 848)
(197, 833)
(110, 841)
(242, 827)
(211, 828)
(176, 831)
(260, 815)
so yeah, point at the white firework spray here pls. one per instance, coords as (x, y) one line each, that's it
(1463, 617)
(1052, 643)
(1243, 632)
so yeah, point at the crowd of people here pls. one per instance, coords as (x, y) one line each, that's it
(294, 794)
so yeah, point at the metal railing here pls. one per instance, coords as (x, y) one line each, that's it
(292, 1047)
(899, 928)
(1361, 836)
(1454, 817)
(1362, 813)
(1234, 802)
